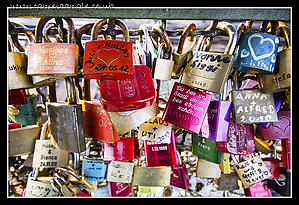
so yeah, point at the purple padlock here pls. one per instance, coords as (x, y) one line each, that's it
(186, 107)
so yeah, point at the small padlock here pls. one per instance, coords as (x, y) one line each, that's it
(151, 176)
(257, 51)
(163, 67)
(108, 59)
(120, 171)
(228, 181)
(118, 189)
(93, 167)
(207, 70)
(121, 150)
(40, 187)
(53, 59)
(179, 174)
(183, 49)
(66, 121)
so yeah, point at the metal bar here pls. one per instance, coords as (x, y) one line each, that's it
(271, 14)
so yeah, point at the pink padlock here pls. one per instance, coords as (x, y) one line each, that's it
(186, 107)
(259, 189)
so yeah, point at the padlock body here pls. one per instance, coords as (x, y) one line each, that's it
(17, 71)
(186, 107)
(280, 80)
(228, 181)
(240, 139)
(93, 169)
(179, 176)
(253, 106)
(121, 150)
(50, 59)
(120, 172)
(207, 169)
(207, 71)
(151, 176)
(163, 69)
(128, 94)
(28, 112)
(40, 188)
(118, 189)
(97, 124)
(257, 53)
(108, 59)
(66, 125)
(216, 121)
(260, 189)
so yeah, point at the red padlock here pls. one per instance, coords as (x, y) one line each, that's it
(272, 165)
(128, 94)
(118, 189)
(119, 151)
(108, 59)
(17, 96)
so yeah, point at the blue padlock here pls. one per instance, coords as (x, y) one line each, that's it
(257, 53)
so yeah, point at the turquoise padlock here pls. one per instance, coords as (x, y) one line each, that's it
(24, 114)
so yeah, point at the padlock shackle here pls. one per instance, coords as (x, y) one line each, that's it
(71, 93)
(232, 34)
(44, 130)
(190, 27)
(41, 23)
(89, 145)
(164, 36)
(86, 89)
(57, 38)
(78, 34)
(147, 38)
(96, 27)
(285, 30)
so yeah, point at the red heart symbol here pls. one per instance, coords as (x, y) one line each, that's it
(282, 124)
(108, 56)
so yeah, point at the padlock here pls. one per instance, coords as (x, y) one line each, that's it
(252, 106)
(128, 94)
(281, 78)
(46, 155)
(160, 154)
(27, 114)
(278, 130)
(93, 167)
(251, 170)
(183, 48)
(206, 149)
(209, 71)
(179, 174)
(66, 121)
(108, 59)
(240, 139)
(186, 107)
(207, 169)
(257, 51)
(286, 153)
(228, 181)
(260, 189)
(53, 59)
(120, 171)
(121, 150)
(40, 187)
(118, 189)
(132, 118)
(282, 184)
(151, 176)
(17, 96)
(163, 67)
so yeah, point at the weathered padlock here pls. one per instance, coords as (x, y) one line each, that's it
(160, 154)
(93, 167)
(207, 70)
(228, 181)
(179, 174)
(257, 51)
(128, 94)
(206, 149)
(121, 150)
(151, 176)
(252, 106)
(53, 59)
(251, 170)
(281, 78)
(108, 59)
(184, 47)
(66, 121)
(46, 155)
(120, 172)
(207, 169)
(186, 107)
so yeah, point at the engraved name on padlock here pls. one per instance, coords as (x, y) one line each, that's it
(151, 176)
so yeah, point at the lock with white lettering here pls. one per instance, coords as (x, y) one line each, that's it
(252, 106)
(185, 45)
(46, 155)
(93, 167)
(53, 59)
(281, 78)
(66, 121)
(207, 70)
(186, 107)
(257, 51)
(108, 59)
(251, 170)
(259, 189)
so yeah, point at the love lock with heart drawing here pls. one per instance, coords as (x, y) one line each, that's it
(108, 59)
(256, 52)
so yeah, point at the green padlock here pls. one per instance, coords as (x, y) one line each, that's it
(205, 149)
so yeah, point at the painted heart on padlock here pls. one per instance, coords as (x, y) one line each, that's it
(108, 56)
(282, 124)
(262, 47)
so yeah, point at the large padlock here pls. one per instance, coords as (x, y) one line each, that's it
(108, 59)
(281, 78)
(46, 155)
(252, 106)
(93, 167)
(186, 107)
(128, 94)
(207, 70)
(184, 47)
(53, 59)
(257, 51)
(66, 121)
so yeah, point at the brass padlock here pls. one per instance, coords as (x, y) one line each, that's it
(66, 121)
